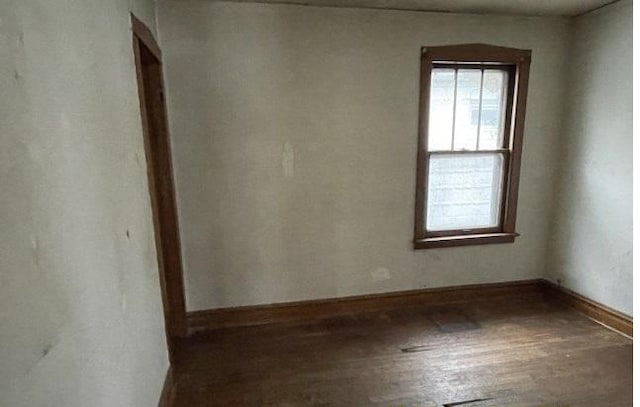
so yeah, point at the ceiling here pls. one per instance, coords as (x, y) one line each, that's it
(519, 7)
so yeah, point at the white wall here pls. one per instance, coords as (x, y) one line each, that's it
(592, 235)
(80, 308)
(295, 135)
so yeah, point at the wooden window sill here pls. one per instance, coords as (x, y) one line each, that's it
(464, 240)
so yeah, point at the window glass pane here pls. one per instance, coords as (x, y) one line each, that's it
(464, 191)
(441, 109)
(493, 105)
(467, 105)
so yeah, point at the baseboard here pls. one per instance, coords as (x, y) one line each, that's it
(199, 321)
(598, 312)
(207, 320)
(166, 397)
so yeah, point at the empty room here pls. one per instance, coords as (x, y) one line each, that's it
(316, 203)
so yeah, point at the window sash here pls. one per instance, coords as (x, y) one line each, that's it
(506, 156)
(507, 102)
(504, 150)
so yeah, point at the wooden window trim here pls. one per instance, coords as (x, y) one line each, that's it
(476, 55)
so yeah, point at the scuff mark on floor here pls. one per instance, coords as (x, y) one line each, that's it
(414, 349)
(460, 403)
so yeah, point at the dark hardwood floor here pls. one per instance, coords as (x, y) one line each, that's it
(519, 351)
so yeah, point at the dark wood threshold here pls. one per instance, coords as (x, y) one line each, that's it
(464, 240)
(301, 311)
(600, 313)
(168, 390)
(201, 321)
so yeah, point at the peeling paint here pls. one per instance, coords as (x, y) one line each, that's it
(334, 204)
(381, 274)
(69, 191)
(288, 160)
(594, 193)
(36, 251)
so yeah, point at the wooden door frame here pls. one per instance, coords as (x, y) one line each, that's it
(171, 278)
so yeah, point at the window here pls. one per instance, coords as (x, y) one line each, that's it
(472, 106)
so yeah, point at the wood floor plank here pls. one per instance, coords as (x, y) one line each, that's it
(490, 353)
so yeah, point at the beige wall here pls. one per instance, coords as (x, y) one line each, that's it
(295, 131)
(80, 311)
(592, 239)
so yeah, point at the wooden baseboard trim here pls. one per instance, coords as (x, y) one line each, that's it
(207, 320)
(598, 312)
(168, 390)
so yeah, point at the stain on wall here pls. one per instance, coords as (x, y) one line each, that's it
(288, 160)
(591, 248)
(294, 131)
(80, 307)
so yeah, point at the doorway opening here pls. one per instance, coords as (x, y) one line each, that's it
(148, 60)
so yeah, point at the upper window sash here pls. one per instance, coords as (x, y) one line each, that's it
(489, 105)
